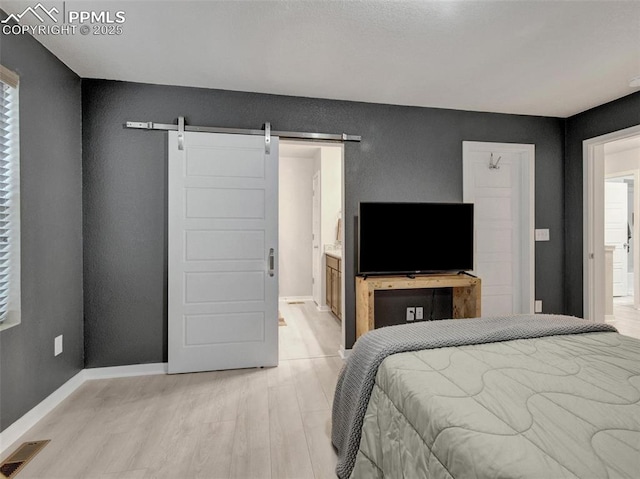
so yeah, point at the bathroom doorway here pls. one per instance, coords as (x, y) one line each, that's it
(311, 200)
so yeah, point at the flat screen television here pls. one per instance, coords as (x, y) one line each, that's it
(409, 238)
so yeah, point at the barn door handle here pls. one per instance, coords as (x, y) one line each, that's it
(272, 262)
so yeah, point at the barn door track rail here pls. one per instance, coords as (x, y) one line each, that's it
(266, 131)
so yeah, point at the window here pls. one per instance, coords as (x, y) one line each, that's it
(9, 201)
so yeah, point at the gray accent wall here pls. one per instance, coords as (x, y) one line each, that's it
(51, 227)
(616, 115)
(407, 154)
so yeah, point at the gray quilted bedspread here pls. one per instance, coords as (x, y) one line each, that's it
(357, 378)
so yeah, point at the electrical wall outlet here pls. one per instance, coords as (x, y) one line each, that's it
(419, 312)
(542, 234)
(57, 345)
(411, 314)
(537, 306)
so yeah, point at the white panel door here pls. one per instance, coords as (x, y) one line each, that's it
(503, 226)
(223, 240)
(615, 232)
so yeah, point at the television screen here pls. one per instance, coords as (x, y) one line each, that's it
(415, 237)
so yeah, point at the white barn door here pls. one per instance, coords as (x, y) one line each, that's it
(498, 179)
(223, 240)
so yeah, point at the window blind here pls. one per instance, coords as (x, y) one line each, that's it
(9, 199)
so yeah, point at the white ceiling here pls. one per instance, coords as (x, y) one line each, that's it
(304, 149)
(551, 58)
(298, 150)
(626, 144)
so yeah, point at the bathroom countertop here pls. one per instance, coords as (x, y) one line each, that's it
(336, 253)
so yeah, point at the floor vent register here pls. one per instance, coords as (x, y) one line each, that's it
(16, 461)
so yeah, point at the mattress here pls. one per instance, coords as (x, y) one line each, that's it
(550, 407)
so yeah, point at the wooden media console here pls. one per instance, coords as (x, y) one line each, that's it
(466, 294)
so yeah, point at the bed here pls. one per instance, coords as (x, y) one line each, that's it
(544, 396)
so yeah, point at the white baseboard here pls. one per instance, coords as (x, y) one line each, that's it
(344, 353)
(126, 371)
(609, 317)
(323, 309)
(295, 298)
(31, 418)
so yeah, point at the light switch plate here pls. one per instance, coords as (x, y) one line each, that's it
(57, 345)
(542, 234)
(537, 307)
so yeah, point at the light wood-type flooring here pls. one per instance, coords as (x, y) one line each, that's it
(627, 318)
(250, 423)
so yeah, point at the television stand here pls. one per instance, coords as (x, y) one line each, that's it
(466, 294)
(467, 274)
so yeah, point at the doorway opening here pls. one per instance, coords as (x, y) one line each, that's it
(612, 201)
(311, 283)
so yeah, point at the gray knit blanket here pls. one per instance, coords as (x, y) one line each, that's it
(357, 377)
